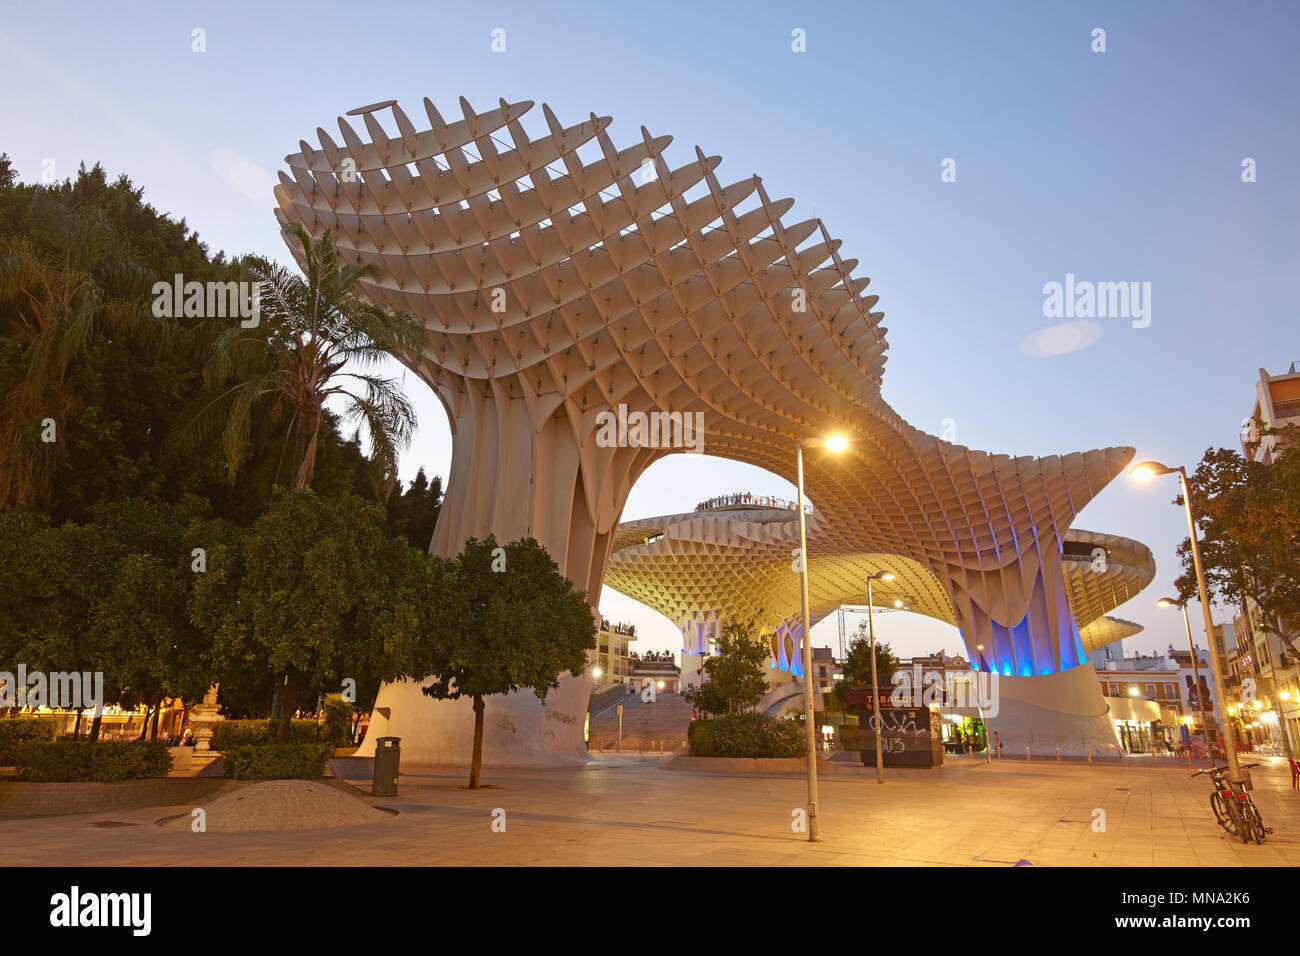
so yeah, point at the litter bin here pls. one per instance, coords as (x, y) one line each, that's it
(388, 756)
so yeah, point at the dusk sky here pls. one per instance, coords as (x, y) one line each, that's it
(1116, 166)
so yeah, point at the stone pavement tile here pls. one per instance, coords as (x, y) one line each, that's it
(631, 811)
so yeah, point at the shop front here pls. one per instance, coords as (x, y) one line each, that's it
(963, 730)
(1140, 724)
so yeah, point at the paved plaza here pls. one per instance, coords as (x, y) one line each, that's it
(630, 810)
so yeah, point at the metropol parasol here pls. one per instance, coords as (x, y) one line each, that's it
(560, 277)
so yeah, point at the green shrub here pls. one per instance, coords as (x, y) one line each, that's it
(699, 736)
(851, 736)
(278, 761)
(20, 730)
(63, 761)
(237, 733)
(746, 735)
(337, 725)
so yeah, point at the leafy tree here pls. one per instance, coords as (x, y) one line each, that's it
(313, 593)
(1248, 516)
(53, 304)
(107, 596)
(155, 552)
(509, 621)
(857, 665)
(294, 360)
(414, 512)
(50, 581)
(79, 344)
(736, 677)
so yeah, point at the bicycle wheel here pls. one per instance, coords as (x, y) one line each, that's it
(1223, 813)
(1254, 823)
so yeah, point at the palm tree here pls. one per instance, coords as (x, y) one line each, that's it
(311, 329)
(55, 302)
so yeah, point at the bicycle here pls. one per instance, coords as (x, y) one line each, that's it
(1233, 808)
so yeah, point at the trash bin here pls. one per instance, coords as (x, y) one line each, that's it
(388, 756)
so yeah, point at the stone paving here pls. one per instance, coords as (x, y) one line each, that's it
(629, 810)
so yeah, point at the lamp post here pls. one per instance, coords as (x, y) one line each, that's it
(1196, 673)
(875, 689)
(1151, 469)
(988, 741)
(834, 443)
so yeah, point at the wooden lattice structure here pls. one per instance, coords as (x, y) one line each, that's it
(560, 277)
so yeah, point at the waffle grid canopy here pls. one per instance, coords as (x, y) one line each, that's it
(560, 277)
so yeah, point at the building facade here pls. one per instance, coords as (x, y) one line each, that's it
(1267, 689)
(612, 655)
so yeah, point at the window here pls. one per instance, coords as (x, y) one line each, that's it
(1151, 690)
(1171, 691)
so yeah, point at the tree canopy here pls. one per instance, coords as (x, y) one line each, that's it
(736, 677)
(1248, 516)
(509, 621)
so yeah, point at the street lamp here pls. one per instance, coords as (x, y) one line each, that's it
(833, 443)
(1196, 673)
(988, 741)
(1151, 469)
(875, 689)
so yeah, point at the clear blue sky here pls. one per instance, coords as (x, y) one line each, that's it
(1115, 166)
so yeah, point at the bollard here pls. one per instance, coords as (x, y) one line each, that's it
(1088, 751)
(1058, 754)
(1189, 756)
(1153, 756)
(1026, 753)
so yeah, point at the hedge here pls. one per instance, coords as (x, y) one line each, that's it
(63, 761)
(270, 761)
(237, 733)
(746, 735)
(20, 730)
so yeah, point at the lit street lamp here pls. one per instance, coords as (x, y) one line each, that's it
(1152, 469)
(1196, 673)
(834, 443)
(875, 689)
(988, 740)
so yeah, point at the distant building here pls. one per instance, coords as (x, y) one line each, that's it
(612, 651)
(1146, 702)
(826, 670)
(1277, 404)
(658, 666)
(1266, 680)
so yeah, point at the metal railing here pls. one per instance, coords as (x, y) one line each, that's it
(745, 499)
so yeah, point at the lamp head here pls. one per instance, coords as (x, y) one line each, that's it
(1148, 470)
(883, 576)
(1169, 602)
(835, 442)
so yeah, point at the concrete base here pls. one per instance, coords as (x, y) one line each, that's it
(518, 729)
(1064, 710)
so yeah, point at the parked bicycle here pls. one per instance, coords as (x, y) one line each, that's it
(1233, 808)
